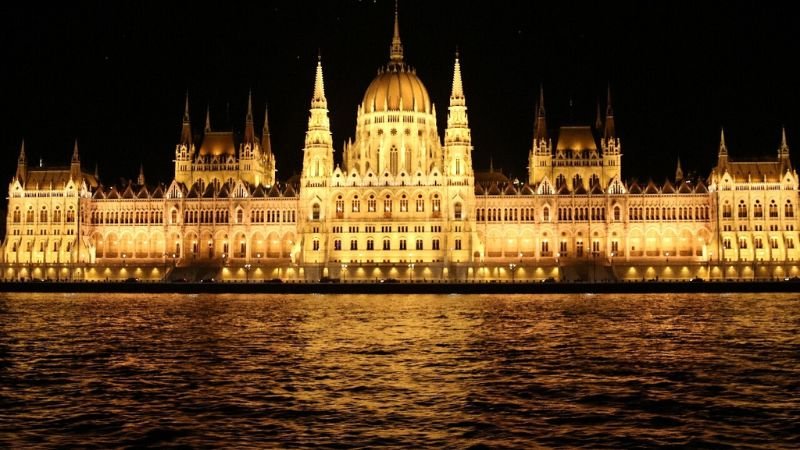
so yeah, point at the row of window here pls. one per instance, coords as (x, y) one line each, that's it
(42, 246)
(758, 210)
(758, 243)
(387, 244)
(388, 205)
(44, 215)
(126, 217)
(666, 213)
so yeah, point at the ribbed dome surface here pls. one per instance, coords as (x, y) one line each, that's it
(390, 86)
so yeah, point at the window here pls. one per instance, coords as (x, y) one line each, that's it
(70, 215)
(315, 211)
(339, 206)
(742, 210)
(742, 243)
(43, 215)
(371, 204)
(420, 204)
(315, 245)
(337, 244)
(579, 249)
(393, 160)
(387, 204)
(403, 204)
(773, 242)
(436, 205)
(458, 244)
(370, 244)
(457, 211)
(419, 244)
(356, 203)
(29, 216)
(435, 244)
(17, 216)
(545, 247)
(726, 211)
(773, 210)
(789, 243)
(788, 210)
(726, 243)
(615, 246)
(758, 243)
(616, 214)
(758, 210)
(562, 248)
(387, 244)
(546, 214)
(402, 244)
(354, 244)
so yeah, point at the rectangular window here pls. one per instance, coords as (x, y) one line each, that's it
(354, 244)
(742, 243)
(370, 244)
(402, 244)
(562, 248)
(315, 245)
(420, 205)
(435, 244)
(419, 244)
(403, 205)
(726, 243)
(458, 244)
(789, 243)
(337, 244)
(387, 244)
(371, 205)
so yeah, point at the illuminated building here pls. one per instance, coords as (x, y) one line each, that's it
(401, 202)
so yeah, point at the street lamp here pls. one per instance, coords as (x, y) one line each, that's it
(247, 272)
(614, 274)
(411, 272)
(708, 264)
(123, 258)
(344, 272)
(511, 267)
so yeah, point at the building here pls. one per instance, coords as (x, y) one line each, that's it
(403, 202)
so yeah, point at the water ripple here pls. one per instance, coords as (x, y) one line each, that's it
(592, 371)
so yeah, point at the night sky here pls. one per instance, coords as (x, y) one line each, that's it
(114, 74)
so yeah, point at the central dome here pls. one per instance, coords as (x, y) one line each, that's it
(396, 89)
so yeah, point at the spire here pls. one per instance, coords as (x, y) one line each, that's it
(723, 150)
(319, 100)
(491, 164)
(784, 148)
(208, 119)
(96, 172)
(457, 94)
(266, 144)
(23, 159)
(396, 50)
(140, 179)
(186, 129)
(540, 125)
(75, 165)
(249, 129)
(679, 171)
(75, 157)
(610, 132)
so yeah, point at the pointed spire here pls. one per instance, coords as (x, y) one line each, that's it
(457, 94)
(610, 131)
(96, 172)
(208, 119)
(23, 159)
(266, 143)
(784, 149)
(540, 125)
(723, 150)
(679, 171)
(75, 157)
(319, 100)
(491, 164)
(249, 129)
(186, 129)
(396, 50)
(140, 178)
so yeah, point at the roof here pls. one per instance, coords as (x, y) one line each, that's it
(53, 178)
(769, 171)
(576, 138)
(390, 86)
(218, 143)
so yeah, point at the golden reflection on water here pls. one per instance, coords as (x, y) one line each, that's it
(398, 370)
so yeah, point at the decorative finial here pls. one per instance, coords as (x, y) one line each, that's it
(723, 150)
(186, 108)
(396, 50)
(458, 89)
(319, 87)
(208, 119)
(75, 157)
(609, 110)
(250, 105)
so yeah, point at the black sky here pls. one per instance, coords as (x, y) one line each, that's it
(114, 74)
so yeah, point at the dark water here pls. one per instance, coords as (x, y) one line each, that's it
(401, 371)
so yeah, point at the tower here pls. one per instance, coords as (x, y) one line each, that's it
(75, 164)
(266, 152)
(612, 151)
(783, 153)
(457, 138)
(540, 158)
(184, 151)
(318, 150)
(22, 165)
(722, 154)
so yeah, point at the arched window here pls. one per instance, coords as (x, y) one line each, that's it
(29, 215)
(43, 215)
(356, 204)
(546, 214)
(742, 209)
(773, 210)
(788, 209)
(17, 215)
(315, 211)
(393, 160)
(758, 209)
(457, 211)
(239, 216)
(616, 214)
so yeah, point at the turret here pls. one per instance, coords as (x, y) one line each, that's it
(186, 129)
(140, 178)
(22, 165)
(266, 151)
(318, 151)
(783, 153)
(722, 155)
(75, 164)
(679, 172)
(457, 136)
(540, 157)
(249, 129)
